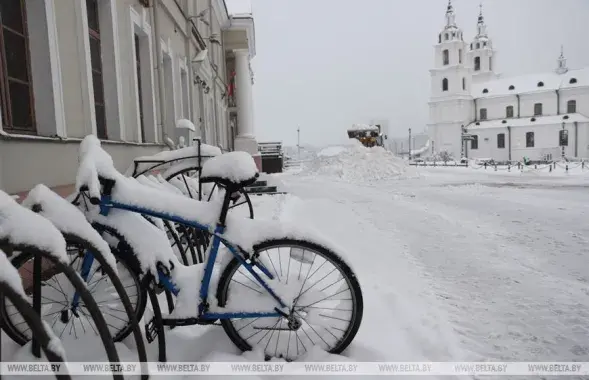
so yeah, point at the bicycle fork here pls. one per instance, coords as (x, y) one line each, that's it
(85, 271)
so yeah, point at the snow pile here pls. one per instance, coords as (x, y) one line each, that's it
(331, 151)
(358, 164)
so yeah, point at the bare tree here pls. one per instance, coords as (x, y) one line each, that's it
(445, 156)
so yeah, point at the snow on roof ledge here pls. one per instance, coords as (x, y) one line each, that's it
(527, 121)
(548, 81)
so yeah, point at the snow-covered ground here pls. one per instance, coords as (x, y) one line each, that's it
(455, 264)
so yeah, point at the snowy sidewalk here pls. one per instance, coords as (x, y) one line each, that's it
(467, 268)
(453, 267)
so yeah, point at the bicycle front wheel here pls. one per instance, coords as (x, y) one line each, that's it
(324, 295)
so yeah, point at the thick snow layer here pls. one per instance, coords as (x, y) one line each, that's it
(22, 226)
(9, 275)
(357, 164)
(184, 156)
(95, 161)
(150, 243)
(185, 124)
(361, 127)
(331, 151)
(234, 166)
(67, 218)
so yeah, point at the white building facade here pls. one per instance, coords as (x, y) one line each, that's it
(124, 70)
(538, 116)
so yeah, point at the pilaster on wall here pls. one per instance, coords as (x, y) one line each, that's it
(85, 66)
(141, 28)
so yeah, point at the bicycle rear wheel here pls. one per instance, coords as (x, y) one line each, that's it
(49, 343)
(325, 295)
(54, 276)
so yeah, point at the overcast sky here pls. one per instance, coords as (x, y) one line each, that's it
(324, 65)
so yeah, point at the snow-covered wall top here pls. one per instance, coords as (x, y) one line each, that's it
(526, 121)
(531, 83)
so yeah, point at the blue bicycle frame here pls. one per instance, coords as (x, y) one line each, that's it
(106, 204)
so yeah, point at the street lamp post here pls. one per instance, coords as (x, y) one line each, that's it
(562, 140)
(409, 144)
(299, 142)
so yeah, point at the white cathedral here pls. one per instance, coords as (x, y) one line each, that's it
(477, 113)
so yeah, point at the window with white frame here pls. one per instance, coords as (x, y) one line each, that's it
(15, 78)
(138, 65)
(185, 95)
(96, 64)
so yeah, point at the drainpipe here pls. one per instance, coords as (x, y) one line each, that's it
(518, 105)
(159, 69)
(214, 84)
(576, 139)
(557, 102)
(189, 85)
(509, 140)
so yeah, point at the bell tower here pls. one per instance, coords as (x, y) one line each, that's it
(451, 104)
(481, 55)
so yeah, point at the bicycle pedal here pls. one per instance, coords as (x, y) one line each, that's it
(151, 330)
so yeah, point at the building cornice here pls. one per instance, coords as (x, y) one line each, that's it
(245, 22)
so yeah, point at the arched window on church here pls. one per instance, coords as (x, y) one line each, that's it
(459, 55)
(445, 84)
(478, 45)
(477, 63)
(571, 106)
(440, 38)
(446, 37)
(464, 83)
(490, 64)
(509, 111)
(446, 58)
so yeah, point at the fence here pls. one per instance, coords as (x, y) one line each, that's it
(496, 166)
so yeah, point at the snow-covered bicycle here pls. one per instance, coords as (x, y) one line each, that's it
(182, 168)
(11, 289)
(37, 251)
(281, 288)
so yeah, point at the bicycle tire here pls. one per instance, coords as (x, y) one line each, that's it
(36, 325)
(27, 252)
(345, 271)
(133, 325)
(124, 252)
